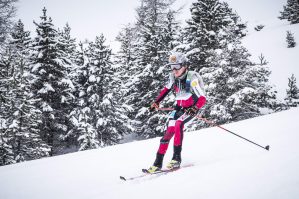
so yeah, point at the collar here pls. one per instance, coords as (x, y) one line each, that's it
(183, 75)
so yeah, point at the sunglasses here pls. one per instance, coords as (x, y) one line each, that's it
(176, 66)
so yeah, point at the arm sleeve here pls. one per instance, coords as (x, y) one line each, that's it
(198, 88)
(165, 90)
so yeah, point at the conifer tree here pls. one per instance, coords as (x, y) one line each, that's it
(27, 142)
(67, 43)
(290, 11)
(67, 46)
(6, 138)
(236, 88)
(155, 36)
(292, 98)
(290, 40)
(127, 38)
(83, 115)
(125, 59)
(18, 114)
(111, 121)
(51, 85)
(213, 25)
(101, 120)
(7, 12)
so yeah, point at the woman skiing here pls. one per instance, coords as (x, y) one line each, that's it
(190, 97)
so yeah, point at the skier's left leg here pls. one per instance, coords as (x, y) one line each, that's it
(178, 140)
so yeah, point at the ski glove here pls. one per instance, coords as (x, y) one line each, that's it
(154, 106)
(192, 111)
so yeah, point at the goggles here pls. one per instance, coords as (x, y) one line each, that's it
(176, 66)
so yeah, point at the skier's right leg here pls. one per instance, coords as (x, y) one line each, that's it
(164, 142)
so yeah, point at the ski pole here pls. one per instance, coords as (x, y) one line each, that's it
(165, 109)
(214, 124)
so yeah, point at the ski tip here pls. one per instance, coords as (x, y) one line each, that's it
(122, 178)
(145, 171)
(267, 147)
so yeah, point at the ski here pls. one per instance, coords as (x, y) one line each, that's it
(148, 174)
(160, 172)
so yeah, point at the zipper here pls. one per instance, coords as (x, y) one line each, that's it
(180, 92)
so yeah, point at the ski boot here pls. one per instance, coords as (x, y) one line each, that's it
(157, 164)
(153, 169)
(173, 164)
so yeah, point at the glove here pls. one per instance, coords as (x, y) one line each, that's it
(192, 111)
(154, 106)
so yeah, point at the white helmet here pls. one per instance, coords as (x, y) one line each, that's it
(177, 58)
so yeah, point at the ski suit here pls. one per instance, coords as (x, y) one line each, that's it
(189, 91)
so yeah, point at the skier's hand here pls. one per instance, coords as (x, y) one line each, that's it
(192, 111)
(154, 106)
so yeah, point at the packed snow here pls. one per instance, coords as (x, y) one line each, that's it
(271, 40)
(225, 166)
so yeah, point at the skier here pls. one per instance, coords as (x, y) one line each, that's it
(190, 97)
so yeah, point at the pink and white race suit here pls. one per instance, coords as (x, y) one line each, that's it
(189, 91)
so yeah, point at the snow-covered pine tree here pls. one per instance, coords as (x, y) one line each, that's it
(155, 21)
(125, 58)
(84, 131)
(101, 120)
(27, 144)
(80, 55)
(7, 12)
(290, 11)
(126, 37)
(290, 39)
(128, 53)
(19, 117)
(213, 25)
(51, 86)
(236, 88)
(6, 139)
(124, 64)
(111, 122)
(67, 45)
(292, 97)
(172, 31)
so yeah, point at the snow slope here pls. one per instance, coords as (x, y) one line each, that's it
(225, 166)
(271, 40)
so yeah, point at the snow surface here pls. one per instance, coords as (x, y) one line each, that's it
(271, 40)
(225, 166)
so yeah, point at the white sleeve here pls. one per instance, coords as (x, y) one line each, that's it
(170, 81)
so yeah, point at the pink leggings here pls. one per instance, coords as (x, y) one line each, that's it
(175, 128)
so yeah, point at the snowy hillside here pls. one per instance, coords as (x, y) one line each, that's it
(271, 40)
(224, 167)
